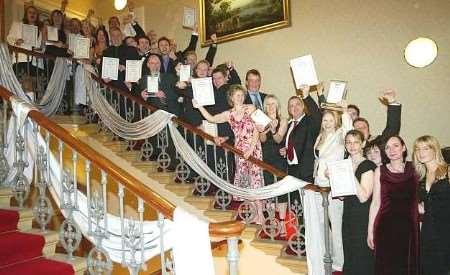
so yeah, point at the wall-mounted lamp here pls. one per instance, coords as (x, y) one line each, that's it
(421, 52)
(120, 4)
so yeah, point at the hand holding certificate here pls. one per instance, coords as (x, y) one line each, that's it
(189, 18)
(260, 118)
(82, 48)
(185, 72)
(133, 71)
(110, 68)
(336, 92)
(52, 34)
(152, 85)
(304, 71)
(203, 91)
(342, 178)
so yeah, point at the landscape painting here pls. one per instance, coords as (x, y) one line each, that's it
(232, 19)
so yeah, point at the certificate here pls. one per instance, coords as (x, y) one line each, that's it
(110, 68)
(260, 118)
(152, 84)
(336, 92)
(133, 70)
(185, 72)
(52, 33)
(203, 91)
(82, 47)
(210, 129)
(189, 18)
(304, 71)
(342, 178)
(71, 39)
(30, 35)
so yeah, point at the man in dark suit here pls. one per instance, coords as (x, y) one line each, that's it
(253, 84)
(302, 133)
(393, 123)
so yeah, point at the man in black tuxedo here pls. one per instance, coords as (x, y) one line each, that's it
(253, 84)
(302, 133)
(393, 123)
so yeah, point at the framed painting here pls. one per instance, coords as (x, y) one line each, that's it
(233, 19)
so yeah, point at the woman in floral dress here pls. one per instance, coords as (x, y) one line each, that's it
(247, 175)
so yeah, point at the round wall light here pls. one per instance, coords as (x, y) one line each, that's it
(120, 4)
(421, 52)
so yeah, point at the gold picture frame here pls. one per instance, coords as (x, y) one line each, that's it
(234, 19)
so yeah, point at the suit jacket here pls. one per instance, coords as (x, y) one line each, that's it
(167, 85)
(304, 136)
(393, 123)
(220, 96)
(248, 99)
(124, 53)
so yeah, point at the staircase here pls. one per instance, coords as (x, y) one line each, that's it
(257, 254)
(26, 250)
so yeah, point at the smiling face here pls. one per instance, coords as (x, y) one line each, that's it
(271, 106)
(353, 145)
(57, 18)
(218, 79)
(328, 122)
(143, 45)
(424, 153)
(154, 64)
(295, 107)
(202, 69)
(374, 155)
(101, 36)
(238, 97)
(164, 47)
(394, 149)
(253, 82)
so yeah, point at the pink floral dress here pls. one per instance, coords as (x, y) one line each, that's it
(247, 175)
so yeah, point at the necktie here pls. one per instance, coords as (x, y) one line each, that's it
(256, 101)
(290, 147)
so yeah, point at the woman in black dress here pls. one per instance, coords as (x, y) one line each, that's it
(434, 198)
(358, 258)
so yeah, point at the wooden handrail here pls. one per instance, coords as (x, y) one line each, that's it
(182, 123)
(220, 229)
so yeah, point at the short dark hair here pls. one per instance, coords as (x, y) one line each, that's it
(361, 119)
(124, 41)
(253, 72)
(219, 70)
(352, 106)
(143, 37)
(378, 142)
(163, 38)
(404, 155)
(355, 133)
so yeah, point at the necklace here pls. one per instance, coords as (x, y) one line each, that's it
(401, 169)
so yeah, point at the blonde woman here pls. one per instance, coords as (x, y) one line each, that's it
(246, 139)
(434, 203)
(329, 146)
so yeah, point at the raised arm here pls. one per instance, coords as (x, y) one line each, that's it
(394, 112)
(219, 118)
(314, 111)
(212, 50)
(374, 208)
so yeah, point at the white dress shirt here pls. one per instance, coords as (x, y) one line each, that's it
(292, 122)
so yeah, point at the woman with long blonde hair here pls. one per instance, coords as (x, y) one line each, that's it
(434, 203)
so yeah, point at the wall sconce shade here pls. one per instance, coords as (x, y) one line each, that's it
(421, 52)
(120, 4)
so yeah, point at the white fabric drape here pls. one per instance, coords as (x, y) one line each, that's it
(54, 93)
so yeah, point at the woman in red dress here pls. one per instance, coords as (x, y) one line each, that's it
(393, 218)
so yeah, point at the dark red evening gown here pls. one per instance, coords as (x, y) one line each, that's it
(396, 225)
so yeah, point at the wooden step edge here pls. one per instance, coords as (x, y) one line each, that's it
(202, 203)
(6, 191)
(219, 215)
(295, 264)
(25, 217)
(250, 231)
(79, 264)
(269, 247)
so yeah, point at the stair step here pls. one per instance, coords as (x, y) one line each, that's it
(129, 155)
(179, 189)
(89, 129)
(115, 145)
(250, 231)
(51, 240)
(145, 166)
(295, 264)
(72, 120)
(220, 215)
(202, 203)
(162, 177)
(39, 266)
(269, 247)
(79, 264)
(25, 218)
(5, 196)
(17, 246)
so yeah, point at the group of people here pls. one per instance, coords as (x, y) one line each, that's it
(376, 231)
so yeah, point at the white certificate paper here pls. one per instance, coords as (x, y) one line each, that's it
(304, 71)
(189, 17)
(210, 129)
(82, 47)
(110, 68)
(71, 39)
(133, 70)
(185, 72)
(260, 118)
(30, 35)
(336, 92)
(203, 91)
(52, 33)
(342, 178)
(152, 84)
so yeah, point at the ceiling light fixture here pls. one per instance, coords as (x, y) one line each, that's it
(120, 4)
(421, 52)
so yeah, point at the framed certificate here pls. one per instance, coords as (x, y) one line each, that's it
(52, 34)
(203, 91)
(133, 70)
(304, 71)
(336, 91)
(260, 118)
(82, 47)
(152, 84)
(210, 129)
(110, 68)
(342, 178)
(30, 35)
(185, 72)
(189, 18)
